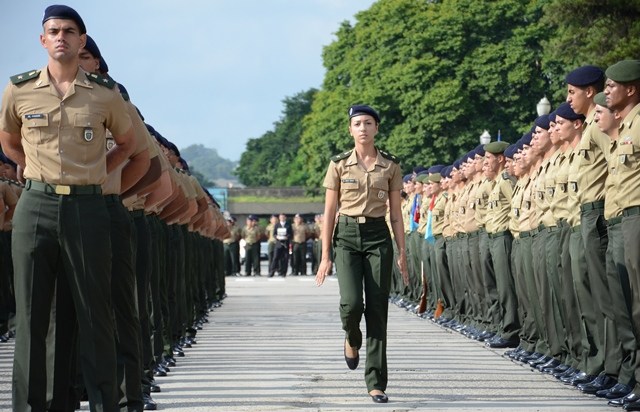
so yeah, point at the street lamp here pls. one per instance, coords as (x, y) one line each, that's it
(485, 138)
(543, 106)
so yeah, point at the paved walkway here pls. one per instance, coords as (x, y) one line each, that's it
(276, 345)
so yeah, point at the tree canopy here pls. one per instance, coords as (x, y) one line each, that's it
(439, 73)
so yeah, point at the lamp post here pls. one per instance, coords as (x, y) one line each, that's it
(543, 106)
(485, 137)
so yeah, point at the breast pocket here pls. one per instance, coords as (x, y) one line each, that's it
(349, 189)
(35, 127)
(88, 127)
(586, 154)
(380, 188)
(627, 156)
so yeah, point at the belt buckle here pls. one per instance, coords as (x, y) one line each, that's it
(361, 219)
(63, 190)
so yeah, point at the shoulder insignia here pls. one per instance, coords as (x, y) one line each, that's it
(23, 77)
(389, 156)
(101, 80)
(446, 195)
(125, 96)
(341, 156)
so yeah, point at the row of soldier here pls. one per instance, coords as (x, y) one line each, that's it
(116, 248)
(286, 245)
(535, 246)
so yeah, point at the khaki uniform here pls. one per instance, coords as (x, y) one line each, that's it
(64, 143)
(299, 263)
(490, 303)
(364, 194)
(252, 236)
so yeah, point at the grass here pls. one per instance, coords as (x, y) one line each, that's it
(259, 199)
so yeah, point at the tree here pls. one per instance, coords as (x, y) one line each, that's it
(270, 160)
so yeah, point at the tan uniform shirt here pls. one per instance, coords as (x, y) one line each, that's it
(406, 212)
(628, 151)
(499, 205)
(234, 236)
(528, 219)
(455, 221)
(251, 235)
(542, 197)
(482, 200)
(363, 192)
(593, 151)
(558, 183)
(438, 214)
(468, 202)
(611, 202)
(516, 207)
(447, 230)
(64, 139)
(299, 232)
(424, 215)
(573, 200)
(271, 238)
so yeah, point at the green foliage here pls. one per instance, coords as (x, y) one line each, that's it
(206, 164)
(270, 160)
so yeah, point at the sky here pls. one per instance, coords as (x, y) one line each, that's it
(210, 72)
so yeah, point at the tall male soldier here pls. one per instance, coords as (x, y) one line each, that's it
(53, 124)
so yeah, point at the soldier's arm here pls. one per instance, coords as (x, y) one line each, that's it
(134, 170)
(148, 181)
(12, 147)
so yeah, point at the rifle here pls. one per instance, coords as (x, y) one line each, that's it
(422, 307)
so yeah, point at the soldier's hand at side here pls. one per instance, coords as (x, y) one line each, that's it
(323, 270)
(402, 265)
(20, 174)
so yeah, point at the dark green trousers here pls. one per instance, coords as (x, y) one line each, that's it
(415, 282)
(631, 236)
(568, 300)
(298, 261)
(491, 305)
(550, 344)
(364, 258)
(521, 258)
(554, 320)
(444, 288)
(155, 280)
(501, 258)
(477, 285)
(621, 359)
(63, 240)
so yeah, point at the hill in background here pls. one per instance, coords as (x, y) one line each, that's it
(208, 163)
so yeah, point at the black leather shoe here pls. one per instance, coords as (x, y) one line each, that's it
(562, 373)
(541, 360)
(633, 406)
(380, 398)
(485, 336)
(503, 343)
(582, 377)
(599, 383)
(551, 364)
(532, 356)
(630, 398)
(551, 370)
(620, 390)
(352, 363)
(149, 404)
(568, 376)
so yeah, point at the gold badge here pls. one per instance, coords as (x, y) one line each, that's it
(381, 194)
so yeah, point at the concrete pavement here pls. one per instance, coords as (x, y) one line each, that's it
(276, 345)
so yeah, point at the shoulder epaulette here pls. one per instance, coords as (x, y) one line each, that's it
(23, 77)
(125, 96)
(101, 80)
(389, 156)
(341, 156)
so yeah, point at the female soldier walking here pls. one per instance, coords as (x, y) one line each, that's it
(359, 183)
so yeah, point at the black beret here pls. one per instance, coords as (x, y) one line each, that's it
(435, 169)
(92, 47)
(542, 122)
(419, 169)
(104, 67)
(510, 151)
(359, 109)
(457, 164)
(185, 165)
(406, 178)
(552, 117)
(173, 148)
(624, 71)
(566, 112)
(59, 11)
(446, 172)
(585, 76)
(479, 150)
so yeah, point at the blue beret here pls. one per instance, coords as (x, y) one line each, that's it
(585, 76)
(419, 169)
(253, 217)
(526, 139)
(185, 165)
(104, 67)
(59, 11)
(446, 172)
(151, 130)
(566, 112)
(406, 178)
(435, 169)
(542, 122)
(359, 109)
(457, 164)
(92, 47)
(173, 148)
(552, 117)
(480, 150)
(510, 151)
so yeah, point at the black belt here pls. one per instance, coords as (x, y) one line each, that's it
(592, 206)
(614, 221)
(499, 234)
(528, 233)
(552, 229)
(63, 190)
(112, 198)
(136, 213)
(359, 219)
(474, 234)
(631, 211)
(461, 235)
